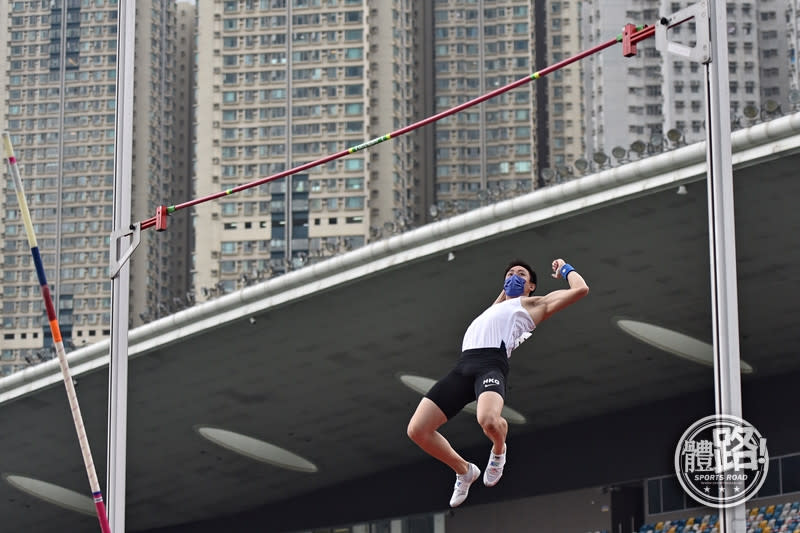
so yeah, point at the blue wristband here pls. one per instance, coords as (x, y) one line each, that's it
(565, 270)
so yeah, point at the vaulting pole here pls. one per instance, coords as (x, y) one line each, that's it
(55, 330)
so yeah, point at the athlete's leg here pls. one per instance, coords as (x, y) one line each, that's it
(422, 429)
(490, 407)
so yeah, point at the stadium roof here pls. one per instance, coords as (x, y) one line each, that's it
(311, 361)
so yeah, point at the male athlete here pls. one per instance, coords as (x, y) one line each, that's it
(482, 370)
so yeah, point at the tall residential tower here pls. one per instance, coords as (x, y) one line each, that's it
(660, 99)
(284, 83)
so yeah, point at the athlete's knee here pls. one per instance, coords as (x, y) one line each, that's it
(491, 422)
(416, 431)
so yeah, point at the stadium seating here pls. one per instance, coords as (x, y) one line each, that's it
(780, 518)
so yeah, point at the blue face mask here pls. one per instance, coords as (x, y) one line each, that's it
(514, 286)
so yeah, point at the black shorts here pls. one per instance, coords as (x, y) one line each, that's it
(477, 371)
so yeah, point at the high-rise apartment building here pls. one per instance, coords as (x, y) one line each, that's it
(60, 110)
(497, 149)
(758, 69)
(565, 102)
(793, 31)
(624, 99)
(179, 257)
(162, 126)
(9, 361)
(488, 151)
(647, 96)
(283, 83)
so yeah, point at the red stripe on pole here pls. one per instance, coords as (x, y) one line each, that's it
(48, 303)
(102, 515)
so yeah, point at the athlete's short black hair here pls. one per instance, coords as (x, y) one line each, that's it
(526, 266)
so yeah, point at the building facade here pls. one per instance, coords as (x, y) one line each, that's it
(60, 110)
(486, 152)
(566, 123)
(660, 100)
(282, 84)
(793, 29)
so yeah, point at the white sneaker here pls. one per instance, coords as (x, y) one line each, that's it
(494, 470)
(463, 482)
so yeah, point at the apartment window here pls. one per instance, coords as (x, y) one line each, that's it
(653, 109)
(653, 90)
(354, 164)
(522, 132)
(354, 202)
(354, 184)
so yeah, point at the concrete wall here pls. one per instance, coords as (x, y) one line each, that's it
(577, 511)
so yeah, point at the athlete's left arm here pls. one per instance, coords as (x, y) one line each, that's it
(543, 307)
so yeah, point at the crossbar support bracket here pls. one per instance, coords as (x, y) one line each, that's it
(115, 261)
(701, 51)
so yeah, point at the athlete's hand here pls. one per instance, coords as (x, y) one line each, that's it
(502, 297)
(557, 264)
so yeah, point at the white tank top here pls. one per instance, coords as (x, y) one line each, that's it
(507, 322)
